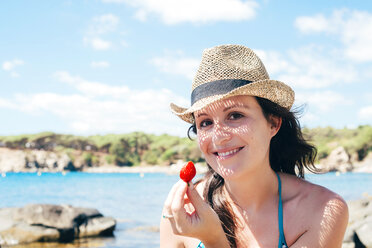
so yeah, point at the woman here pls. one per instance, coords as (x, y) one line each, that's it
(254, 194)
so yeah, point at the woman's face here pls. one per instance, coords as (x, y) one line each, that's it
(234, 135)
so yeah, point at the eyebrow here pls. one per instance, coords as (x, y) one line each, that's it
(200, 114)
(235, 106)
(226, 109)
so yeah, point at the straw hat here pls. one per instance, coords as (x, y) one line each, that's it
(231, 70)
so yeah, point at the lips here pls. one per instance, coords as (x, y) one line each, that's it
(227, 153)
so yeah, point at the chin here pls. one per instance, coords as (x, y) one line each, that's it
(227, 172)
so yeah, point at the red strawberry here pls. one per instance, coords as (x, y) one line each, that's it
(188, 172)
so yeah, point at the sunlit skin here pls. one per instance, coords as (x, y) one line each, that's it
(234, 137)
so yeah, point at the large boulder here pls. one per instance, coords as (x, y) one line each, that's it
(358, 232)
(338, 160)
(45, 222)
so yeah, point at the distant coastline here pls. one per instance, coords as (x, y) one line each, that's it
(339, 150)
(14, 160)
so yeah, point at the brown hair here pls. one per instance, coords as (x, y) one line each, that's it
(289, 153)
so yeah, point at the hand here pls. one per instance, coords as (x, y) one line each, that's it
(193, 217)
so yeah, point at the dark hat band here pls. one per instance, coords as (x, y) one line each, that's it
(216, 88)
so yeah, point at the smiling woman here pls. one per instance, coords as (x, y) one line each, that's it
(254, 194)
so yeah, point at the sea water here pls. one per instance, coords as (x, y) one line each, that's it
(135, 200)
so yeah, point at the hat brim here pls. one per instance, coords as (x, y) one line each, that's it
(273, 90)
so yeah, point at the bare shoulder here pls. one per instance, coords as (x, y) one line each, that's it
(308, 193)
(324, 213)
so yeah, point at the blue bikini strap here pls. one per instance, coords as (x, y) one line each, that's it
(282, 242)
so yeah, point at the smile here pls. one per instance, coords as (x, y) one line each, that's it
(227, 154)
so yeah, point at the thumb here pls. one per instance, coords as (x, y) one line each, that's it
(195, 197)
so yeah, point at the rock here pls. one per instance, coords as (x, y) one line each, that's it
(34, 160)
(21, 233)
(338, 160)
(365, 165)
(45, 222)
(12, 160)
(359, 210)
(358, 232)
(59, 216)
(99, 226)
(364, 232)
(348, 245)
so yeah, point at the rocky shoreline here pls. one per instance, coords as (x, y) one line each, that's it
(52, 223)
(63, 225)
(16, 160)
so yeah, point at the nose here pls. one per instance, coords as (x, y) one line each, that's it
(221, 134)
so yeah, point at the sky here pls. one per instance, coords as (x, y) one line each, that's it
(89, 67)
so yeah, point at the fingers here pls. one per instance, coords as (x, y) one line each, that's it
(178, 206)
(176, 200)
(191, 216)
(195, 198)
(183, 204)
(168, 202)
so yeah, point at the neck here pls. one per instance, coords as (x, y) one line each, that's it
(254, 190)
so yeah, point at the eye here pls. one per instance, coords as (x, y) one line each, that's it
(205, 123)
(235, 116)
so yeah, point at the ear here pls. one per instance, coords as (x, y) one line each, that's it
(276, 123)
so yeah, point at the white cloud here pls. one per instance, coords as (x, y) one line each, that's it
(100, 64)
(177, 64)
(322, 108)
(11, 65)
(195, 11)
(354, 29)
(324, 101)
(309, 118)
(103, 24)
(275, 62)
(309, 67)
(89, 88)
(98, 43)
(365, 113)
(101, 108)
(318, 23)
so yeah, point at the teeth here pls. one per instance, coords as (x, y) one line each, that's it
(224, 154)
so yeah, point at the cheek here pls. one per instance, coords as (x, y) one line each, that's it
(244, 132)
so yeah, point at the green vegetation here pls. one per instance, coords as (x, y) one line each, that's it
(140, 148)
(119, 149)
(356, 141)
